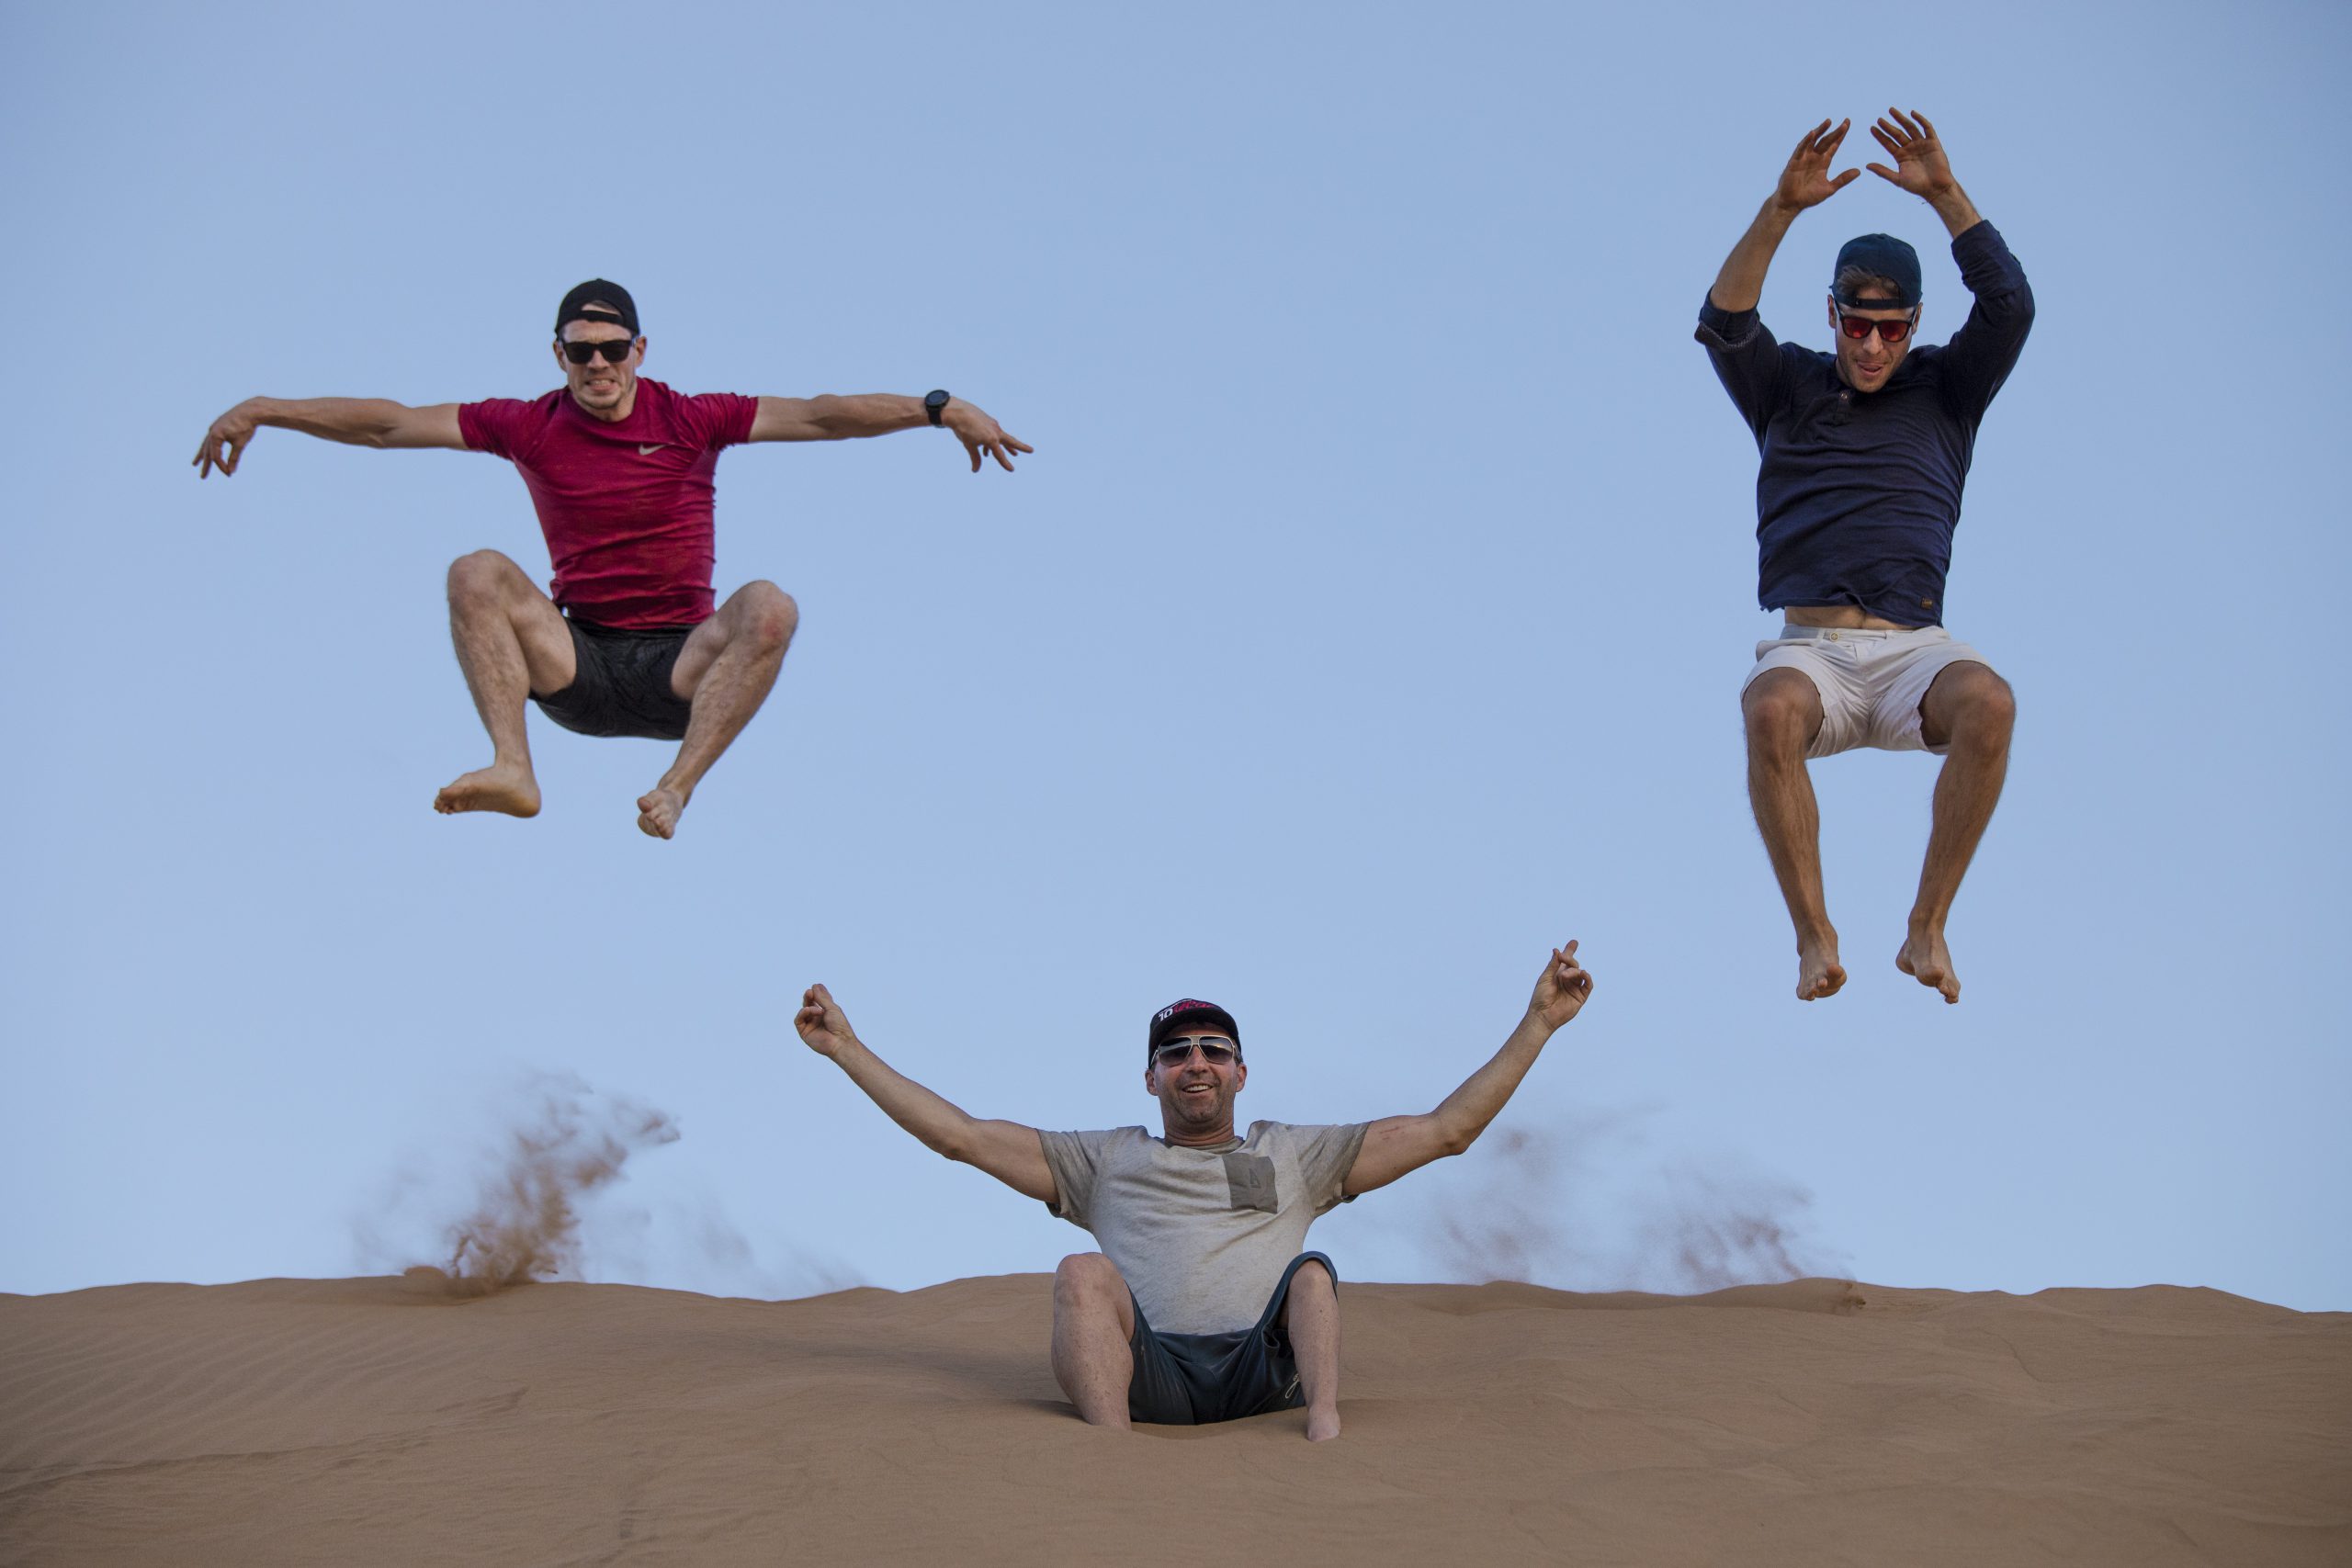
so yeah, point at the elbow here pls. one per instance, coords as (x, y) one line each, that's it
(1452, 1141)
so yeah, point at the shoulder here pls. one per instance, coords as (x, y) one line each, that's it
(721, 417)
(1287, 1135)
(498, 425)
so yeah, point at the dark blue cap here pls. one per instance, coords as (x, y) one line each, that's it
(1880, 256)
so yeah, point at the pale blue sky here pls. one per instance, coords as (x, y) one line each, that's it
(1370, 618)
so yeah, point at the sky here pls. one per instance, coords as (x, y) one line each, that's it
(1369, 619)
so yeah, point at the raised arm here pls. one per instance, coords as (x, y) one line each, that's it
(831, 418)
(1804, 182)
(1398, 1145)
(1006, 1150)
(1921, 168)
(356, 421)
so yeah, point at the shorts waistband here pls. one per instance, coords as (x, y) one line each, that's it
(1850, 634)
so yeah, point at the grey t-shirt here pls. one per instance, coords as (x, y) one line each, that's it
(1201, 1235)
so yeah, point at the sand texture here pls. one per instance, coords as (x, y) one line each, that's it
(382, 1421)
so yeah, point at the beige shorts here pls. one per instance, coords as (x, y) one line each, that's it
(1871, 682)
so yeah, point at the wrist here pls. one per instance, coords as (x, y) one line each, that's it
(1952, 205)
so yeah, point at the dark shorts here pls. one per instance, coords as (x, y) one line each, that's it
(622, 686)
(1188, 1380)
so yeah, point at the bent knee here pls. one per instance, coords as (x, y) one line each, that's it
(1313, 1276)
(1088, 1271)
(1780, 704)
(770, 615)
(482, 574)
(1981, 704)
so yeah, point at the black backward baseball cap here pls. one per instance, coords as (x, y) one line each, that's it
(597, 290)
(1880, 256)
(1173, 1017)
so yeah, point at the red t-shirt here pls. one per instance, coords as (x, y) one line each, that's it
(626, 507)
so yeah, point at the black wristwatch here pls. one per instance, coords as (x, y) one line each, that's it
(934, 404)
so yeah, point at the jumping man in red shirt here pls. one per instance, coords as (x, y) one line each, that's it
(619, 471)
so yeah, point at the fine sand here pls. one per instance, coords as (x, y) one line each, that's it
(385, 1421)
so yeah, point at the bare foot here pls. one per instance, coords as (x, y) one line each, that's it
(657, 811)
(1818, 972)
(1322, 1426)
(503, 787)
(1926, 959)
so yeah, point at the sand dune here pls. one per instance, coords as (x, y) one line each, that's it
(381, 1420)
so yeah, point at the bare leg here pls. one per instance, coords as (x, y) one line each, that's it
(509, 639)
(1782, 709)
(1972, 710)
(726, 670)
(1311, 1318)
(1094, 1320)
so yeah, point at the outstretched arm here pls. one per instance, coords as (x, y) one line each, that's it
(1805, 182)
(1921, 168)
(356, 421)
(831, 418)
(1398, 1145)
(1006, 1150)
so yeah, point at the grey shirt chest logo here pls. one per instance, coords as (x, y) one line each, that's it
(1251, 1180)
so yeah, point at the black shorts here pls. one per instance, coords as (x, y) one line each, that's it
(622, 686)
(1188, 1380)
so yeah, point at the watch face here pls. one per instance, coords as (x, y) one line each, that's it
(935, 400)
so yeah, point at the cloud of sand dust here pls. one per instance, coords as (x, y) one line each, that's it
(1585, 1205)
(530, 1193)
(525, 1223)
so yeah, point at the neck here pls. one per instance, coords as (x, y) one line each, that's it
(1177, 1137)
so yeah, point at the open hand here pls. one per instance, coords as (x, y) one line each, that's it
(1920, 167)
(980, 433)
(822, 1024)
(1807, 182)
(1561, 992)
(231, 430)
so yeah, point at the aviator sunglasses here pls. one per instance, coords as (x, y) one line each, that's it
(1861, 327)
(614, 351)
(1215, 1050)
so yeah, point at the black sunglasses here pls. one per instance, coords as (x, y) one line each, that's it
(1859, 328)
(613, 350)
(1215, 1050)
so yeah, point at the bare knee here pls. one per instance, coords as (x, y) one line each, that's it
(1976, 708)
(1780, 709)
(1087, 1276)
(483, 577)
(769, 618)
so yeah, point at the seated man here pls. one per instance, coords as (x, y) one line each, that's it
(1201, 1305)
(628, 639)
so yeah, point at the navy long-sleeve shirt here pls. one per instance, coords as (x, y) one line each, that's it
(1859, 491)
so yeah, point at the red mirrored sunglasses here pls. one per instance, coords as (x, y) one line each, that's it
(1861, 327)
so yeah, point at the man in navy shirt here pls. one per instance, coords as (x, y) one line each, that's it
(1865, 451)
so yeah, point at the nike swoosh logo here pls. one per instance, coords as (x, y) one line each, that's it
(648, 451)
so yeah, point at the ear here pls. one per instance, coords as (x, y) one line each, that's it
(1241, 1076)
(1829, 313)
(642, 345)
(1150, 1081)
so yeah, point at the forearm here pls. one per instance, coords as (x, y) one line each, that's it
(848, 417)
(1740, 285)
(1467, 1110)
(936, 1121)
(356, 421)
(1958, 213)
